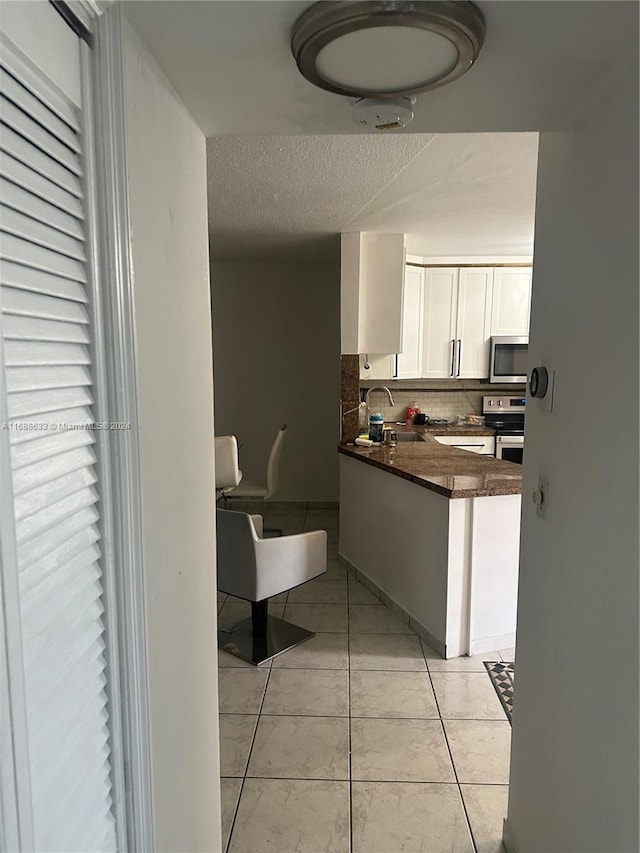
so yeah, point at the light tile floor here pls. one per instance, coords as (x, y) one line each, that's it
(361, 740)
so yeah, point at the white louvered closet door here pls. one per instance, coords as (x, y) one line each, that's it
(48, 380)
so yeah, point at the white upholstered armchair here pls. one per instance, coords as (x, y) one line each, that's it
(255, 569)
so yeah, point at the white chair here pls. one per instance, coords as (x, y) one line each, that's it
(248, 489)
(255, 569)
(226, 457)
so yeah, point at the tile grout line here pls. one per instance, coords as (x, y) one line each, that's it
(246, 767)
(453, 764)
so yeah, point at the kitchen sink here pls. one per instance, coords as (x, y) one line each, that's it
(408, 436)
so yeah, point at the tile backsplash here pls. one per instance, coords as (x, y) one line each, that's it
(436, 404)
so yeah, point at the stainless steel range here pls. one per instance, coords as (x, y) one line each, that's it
(505, 414)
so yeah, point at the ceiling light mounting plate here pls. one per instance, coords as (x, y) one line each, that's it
(443, 39)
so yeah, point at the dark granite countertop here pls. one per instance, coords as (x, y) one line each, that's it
(444, 429)
(446, 470)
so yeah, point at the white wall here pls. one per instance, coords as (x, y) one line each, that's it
(574, 771)
(168, 194)
(276, 344)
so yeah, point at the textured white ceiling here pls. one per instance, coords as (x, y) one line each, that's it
(231, 64)
(288, 198)
(466, 194)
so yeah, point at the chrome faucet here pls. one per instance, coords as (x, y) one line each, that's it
(379, 388)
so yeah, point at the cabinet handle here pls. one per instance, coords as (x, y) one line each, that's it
(459, 357)
(453, 357)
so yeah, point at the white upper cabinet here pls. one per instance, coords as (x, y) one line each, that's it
(409, 364)
(511, 301)
(371, 292)
(473, 322)
(456, 323)
(439, 324)
(377, 366)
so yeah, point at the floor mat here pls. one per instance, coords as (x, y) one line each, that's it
(502, 677)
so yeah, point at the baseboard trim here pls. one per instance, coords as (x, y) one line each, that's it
(508, 841)
(504, 641)
(393, 605)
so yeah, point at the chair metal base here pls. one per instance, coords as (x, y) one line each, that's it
(256, 647)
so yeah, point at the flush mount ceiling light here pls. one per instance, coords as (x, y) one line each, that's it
(382, 48)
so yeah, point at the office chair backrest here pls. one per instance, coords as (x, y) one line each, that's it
(274, 459)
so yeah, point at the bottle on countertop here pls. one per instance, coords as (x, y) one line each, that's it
(412, 411)
(376, 424)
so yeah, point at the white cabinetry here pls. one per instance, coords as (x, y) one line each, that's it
(511, 301)
(439, 324)
(483, 444)
(409, 364)
(447, 331)
(371, 292)
(378, 366)
(455, 324)
(473, 322)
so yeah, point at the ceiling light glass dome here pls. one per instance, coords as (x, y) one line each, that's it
(386, 48)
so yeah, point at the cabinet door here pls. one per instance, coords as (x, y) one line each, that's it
(410, 359)
(474, 322)
(380, 366)
(482, 444)
(439, 327)
(511, 301)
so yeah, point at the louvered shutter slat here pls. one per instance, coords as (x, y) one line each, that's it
(63, 554)
(34, 110)
(37, 281)
(76, 419)
(47, 584)
(41, 377)
(65, 679)
(30, 550)
(23, 354)
(48, 401)
(37, 305)
(61, 108)
(31, 255)
(56, 724)
(26, 453)
(30, 229)
(49, 381)
(12, 143)
(38, 498)
(38, 523)
(17, 198)
(29, 179)
(41, 140)
(33, 329)
(32, 477)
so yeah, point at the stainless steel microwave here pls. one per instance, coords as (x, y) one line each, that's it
(509, 359)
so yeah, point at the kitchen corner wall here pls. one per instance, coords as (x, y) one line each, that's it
(276, 349)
